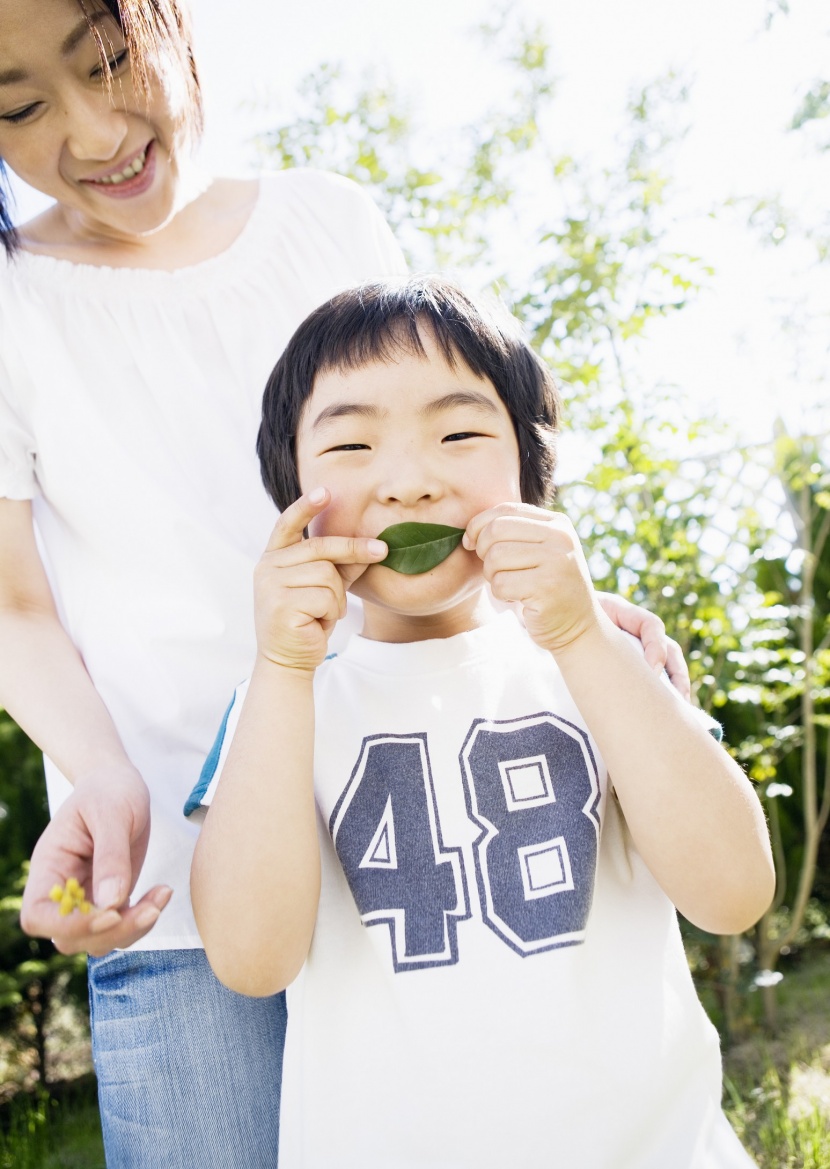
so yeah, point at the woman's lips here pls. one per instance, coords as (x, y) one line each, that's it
(123, 185)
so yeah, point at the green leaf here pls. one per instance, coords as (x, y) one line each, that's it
(415, 548)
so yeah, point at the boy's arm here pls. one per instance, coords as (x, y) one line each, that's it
(692, 813)
(256, 871)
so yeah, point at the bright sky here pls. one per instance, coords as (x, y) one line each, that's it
(729, 351)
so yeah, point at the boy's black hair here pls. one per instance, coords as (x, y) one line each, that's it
(378, 322)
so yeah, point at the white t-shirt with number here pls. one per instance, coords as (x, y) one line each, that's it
(495, 978)
(129, 407)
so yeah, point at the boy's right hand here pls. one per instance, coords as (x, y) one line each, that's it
(300, 584)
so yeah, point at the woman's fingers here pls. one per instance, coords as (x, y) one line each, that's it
(108, 929)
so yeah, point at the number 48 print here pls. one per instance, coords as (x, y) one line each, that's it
(531, 787)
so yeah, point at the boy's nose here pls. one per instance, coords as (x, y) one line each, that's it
(408, 480)
(95, 129)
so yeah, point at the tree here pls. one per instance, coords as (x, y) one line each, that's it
(32, 975)
(672, 511)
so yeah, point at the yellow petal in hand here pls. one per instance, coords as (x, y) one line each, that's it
(70, 897)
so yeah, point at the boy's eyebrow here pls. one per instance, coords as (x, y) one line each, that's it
(436, 406)
(460, 398)
(346, 410)
(68, 46)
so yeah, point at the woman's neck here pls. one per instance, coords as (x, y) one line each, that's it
(210, 214)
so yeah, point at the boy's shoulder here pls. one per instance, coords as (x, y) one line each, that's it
(201, 796)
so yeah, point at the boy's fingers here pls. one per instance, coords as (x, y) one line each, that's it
(352, 572)
(295, 519)
(526, 515)
(479, 522)
(360, 550)
(510, 533)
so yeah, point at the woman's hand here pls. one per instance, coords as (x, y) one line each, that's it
(661, 652)
(98, 836)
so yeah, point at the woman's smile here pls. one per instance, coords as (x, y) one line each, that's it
(129, 178)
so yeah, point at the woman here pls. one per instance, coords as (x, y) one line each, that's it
(139, 317)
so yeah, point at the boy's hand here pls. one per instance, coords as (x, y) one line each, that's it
(300, 584)
(533, 556)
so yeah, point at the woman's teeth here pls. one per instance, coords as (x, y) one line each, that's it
(129, 172)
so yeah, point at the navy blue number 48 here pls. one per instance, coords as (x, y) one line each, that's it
(531, 787)
(386, 832)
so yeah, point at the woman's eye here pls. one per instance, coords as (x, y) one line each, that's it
(20, 115)
(114, 63)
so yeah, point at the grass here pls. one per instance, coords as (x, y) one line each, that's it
(777, 1090)
(778, 1135)
(41, 1132)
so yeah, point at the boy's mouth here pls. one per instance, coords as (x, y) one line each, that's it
(415, 548)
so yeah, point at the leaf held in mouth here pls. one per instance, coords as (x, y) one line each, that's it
(415, 548)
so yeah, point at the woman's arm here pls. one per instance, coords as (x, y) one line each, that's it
(99, 834)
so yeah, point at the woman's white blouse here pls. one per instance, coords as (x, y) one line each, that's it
(129, 407)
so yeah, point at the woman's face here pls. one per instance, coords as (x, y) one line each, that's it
(108, 158)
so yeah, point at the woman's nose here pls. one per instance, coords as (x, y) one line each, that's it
(96, 130)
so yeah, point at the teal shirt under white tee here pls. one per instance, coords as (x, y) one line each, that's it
(495, 977)
(129, 408)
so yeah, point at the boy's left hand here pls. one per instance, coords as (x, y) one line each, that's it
(533, 556)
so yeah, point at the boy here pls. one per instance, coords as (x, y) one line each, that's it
(475, 921)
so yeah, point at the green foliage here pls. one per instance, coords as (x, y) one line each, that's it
(778, 1135)
(41, 1131)
(441, 202)
(673, 514)
(32, 973)
(23, 811)
(814, 105)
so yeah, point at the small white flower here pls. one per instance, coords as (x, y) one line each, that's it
(778, 789)
(766, 978)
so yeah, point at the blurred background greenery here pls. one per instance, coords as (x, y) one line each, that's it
(728, 540)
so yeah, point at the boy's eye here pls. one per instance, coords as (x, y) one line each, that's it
(114, 63)
(461, 434)
(348, 446)
(21, 115)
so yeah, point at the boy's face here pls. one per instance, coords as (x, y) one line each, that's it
(410, 440)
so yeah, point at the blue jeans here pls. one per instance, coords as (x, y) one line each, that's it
(188, 1071)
